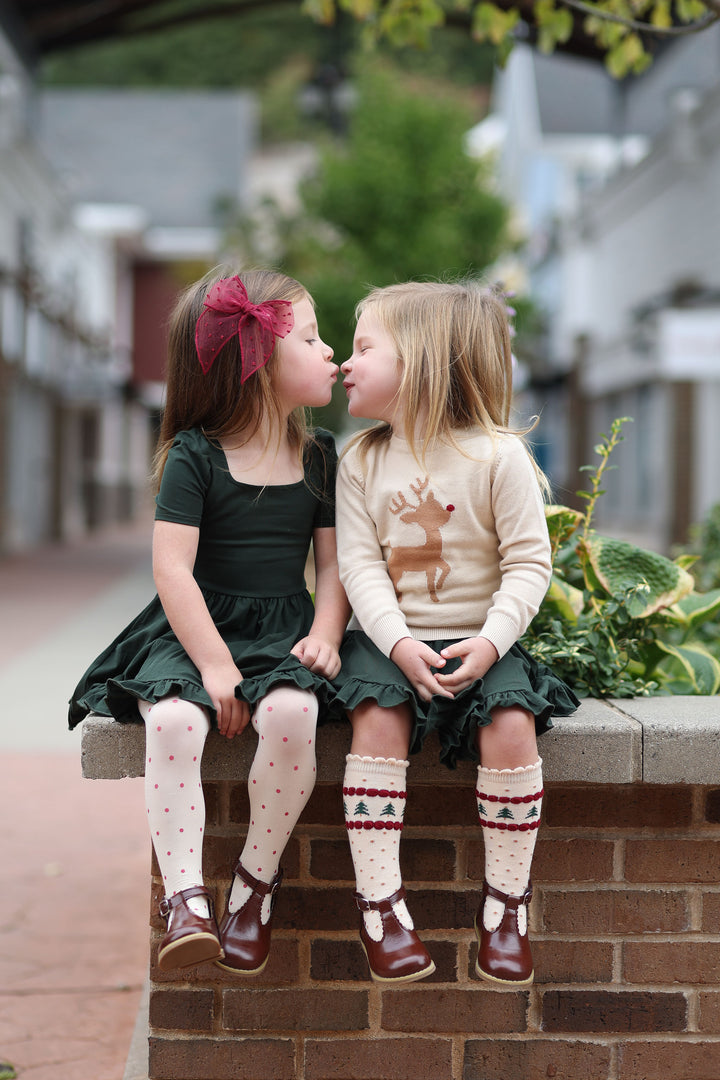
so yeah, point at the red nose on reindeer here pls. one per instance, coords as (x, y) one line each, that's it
(450, 508)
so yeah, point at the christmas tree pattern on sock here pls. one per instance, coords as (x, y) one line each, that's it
(374, 805)
(509, 806)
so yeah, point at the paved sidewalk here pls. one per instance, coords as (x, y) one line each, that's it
(74, 853)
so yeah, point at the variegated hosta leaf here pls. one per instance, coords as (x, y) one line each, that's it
(618, 566)
(565, 599)
(697, 608)
(695, 665)
(562, 522)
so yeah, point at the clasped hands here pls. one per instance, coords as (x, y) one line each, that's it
(416, 661)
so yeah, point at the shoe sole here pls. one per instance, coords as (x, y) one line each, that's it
(412, 977)
(494, 978)
(503, 982)
(189, 952)
(243, 972)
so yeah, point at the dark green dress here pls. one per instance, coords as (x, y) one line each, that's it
(516, 679)
(250, 566)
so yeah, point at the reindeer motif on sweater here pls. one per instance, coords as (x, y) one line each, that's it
(425, 558)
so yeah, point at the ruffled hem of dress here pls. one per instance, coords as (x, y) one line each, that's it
(122, 697)
(354, 691)
(119, 698)
(458, 742)
(254, 688)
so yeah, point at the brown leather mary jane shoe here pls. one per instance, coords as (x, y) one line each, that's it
(400, 955)
(191, 939)
(245, 938)
(504, 954)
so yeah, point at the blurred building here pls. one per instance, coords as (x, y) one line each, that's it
(110, 201)
(615, 186)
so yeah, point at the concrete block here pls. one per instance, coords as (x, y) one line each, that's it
(111, 751)
(599, 744)
(681, 738)
(596, 745)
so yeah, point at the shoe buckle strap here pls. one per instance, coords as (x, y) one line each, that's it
(379, 905)
(258, 886)
(509, 901)
(169, 903)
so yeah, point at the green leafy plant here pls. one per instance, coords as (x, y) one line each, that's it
(618, 620)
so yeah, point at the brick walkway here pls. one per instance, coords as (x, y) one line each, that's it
(74, 852)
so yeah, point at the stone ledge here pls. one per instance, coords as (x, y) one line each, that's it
(681, 738)
(659, 740)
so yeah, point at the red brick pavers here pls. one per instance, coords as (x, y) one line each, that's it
(74, 853)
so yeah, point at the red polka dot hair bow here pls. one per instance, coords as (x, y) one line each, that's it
(228, 311)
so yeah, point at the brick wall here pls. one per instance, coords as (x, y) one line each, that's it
(625, 919)
(625, 923)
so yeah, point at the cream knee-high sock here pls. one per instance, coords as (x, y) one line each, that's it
(281, 780)
(374, 805)
(509, 807)
(175, 733)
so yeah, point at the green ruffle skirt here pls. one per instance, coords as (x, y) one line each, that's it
(516, 679)
(146, 661)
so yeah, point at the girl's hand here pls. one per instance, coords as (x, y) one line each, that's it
(478, 656)
(220, 681)
(415, 659)
(317, 655)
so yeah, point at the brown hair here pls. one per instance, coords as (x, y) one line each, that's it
(217, 401)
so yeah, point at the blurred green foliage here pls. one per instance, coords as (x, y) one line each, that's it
(397, 199)
(276, 52)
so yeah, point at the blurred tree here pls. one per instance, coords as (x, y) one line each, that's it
(624, 32)
(398, 199)
(275, 50)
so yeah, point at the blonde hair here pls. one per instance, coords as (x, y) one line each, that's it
(217, 401)
(454, 351)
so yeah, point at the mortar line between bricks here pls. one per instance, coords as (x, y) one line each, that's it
(625, 990)
(614, 1063)
(619, 849)
(682, 937)
(617, 963)
(457, 1056)
(374, 1010)
(695, 908)
(693, 1013)
(533, 1014)
(300, 1057)
(624, 886)
(608, 1039)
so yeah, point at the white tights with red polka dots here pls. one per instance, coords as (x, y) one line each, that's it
(509, 807)
(281, 779)
(175, 733)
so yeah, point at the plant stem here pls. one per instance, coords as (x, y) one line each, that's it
(604, 449)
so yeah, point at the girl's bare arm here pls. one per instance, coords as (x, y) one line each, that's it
(174, 551)
(319, 650)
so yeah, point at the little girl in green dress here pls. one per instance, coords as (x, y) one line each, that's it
(232, 635)
(444, 554)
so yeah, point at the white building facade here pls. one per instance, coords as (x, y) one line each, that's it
(623, 258)
(62, 364)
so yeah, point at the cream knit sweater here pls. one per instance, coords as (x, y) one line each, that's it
(453, 548)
